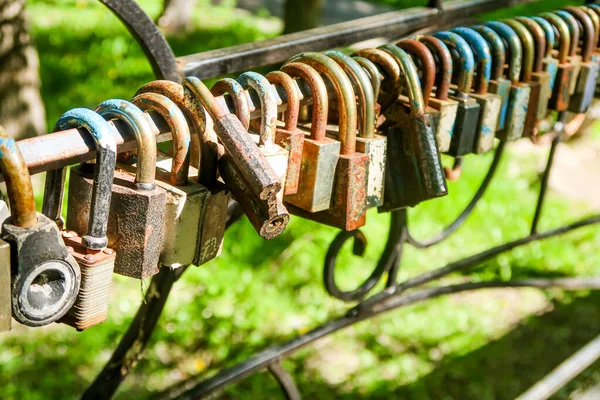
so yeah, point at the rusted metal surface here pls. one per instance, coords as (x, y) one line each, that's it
(212, 232)
(574, 58)
(18, 182)
(5, 287)
(91, 305)
(559, 101)
(391, 75)
(289, 136)
(238, 97)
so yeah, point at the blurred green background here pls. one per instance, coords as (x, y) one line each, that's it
(490, 344)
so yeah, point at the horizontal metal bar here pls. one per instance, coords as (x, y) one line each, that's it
(243, 57)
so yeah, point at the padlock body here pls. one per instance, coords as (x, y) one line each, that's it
(91, 306)
(277, 158)
(38, 254)
(575, 61)
(560, 93)
(491, 106)
(550, 65)
(213, 223)
(516, 113)
(181, 227)
(319, 161)
(375, 148)
(5, 288)
(586, 86)
(445, 125)
(544, 79)
(465, 126)
(501, 87)
(531, 115)
(135, 222)
(292, 142)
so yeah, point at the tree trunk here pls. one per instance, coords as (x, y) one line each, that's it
(21, 108)
(299, 15)
(177, 15)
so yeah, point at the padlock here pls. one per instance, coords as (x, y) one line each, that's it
(320, 154)
(37, 275)
(535, 88)
(593, 10)
(497, 84)
(252, 181)
(214, 216)
(468, 113)
(185, 199)
(95, 260)
(446, 107)
(289, 136)
(367, 142)
(348, 206)
(574, 58)
(374, 75)
(388, 93)
(237, 97)
(582, 98)
(559, 101)
(519, 92)
(550, 63)
(539, 74)
(135, 222)
(490, 103)
(414, 170)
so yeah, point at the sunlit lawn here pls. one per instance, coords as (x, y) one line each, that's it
(484, 345)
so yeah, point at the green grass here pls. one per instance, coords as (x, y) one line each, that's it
(484, 345)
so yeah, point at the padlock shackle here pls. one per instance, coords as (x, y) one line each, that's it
(345, 96)
(362, 88)
(528, 46)
(549, 32)
(564, 36)
(410, 76)
(18, 182)
(205, 97)
(391, 71)
(573, 30)
(424, 55)
(497, 48)
(318, 89)
(595, 21)
(444, 70)
(589, 32)
(198, 120)
(178, 125)
(144, 136)
(595, 8)
(510, 37)
(483, 57)
(464, 63)
(539, 41)
(104, 169)
(374, 74)
(268, 105)
(293, 97)
(238, 97)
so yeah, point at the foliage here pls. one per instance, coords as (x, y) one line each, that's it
(485, 345)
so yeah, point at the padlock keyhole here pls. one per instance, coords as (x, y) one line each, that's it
(47, 290)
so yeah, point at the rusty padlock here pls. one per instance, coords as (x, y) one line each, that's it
(414, 169)
(320, 154)
(593, 10)
(446, 107)
(490, 103)
(519, 92)
(95, 260)
(289, 136)
(497, 84)
(348, 206)
(582, 98)
(468, 114)
(559, 101)
(574, 58)
(550, 63)
(5, 284)
(535, 88)
(367, 142)
(185, 199)
(45, 277)
(539, 74)
(255, 187)
(374, 75)
(214, 216)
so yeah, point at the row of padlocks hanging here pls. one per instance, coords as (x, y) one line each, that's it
(371, 137)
